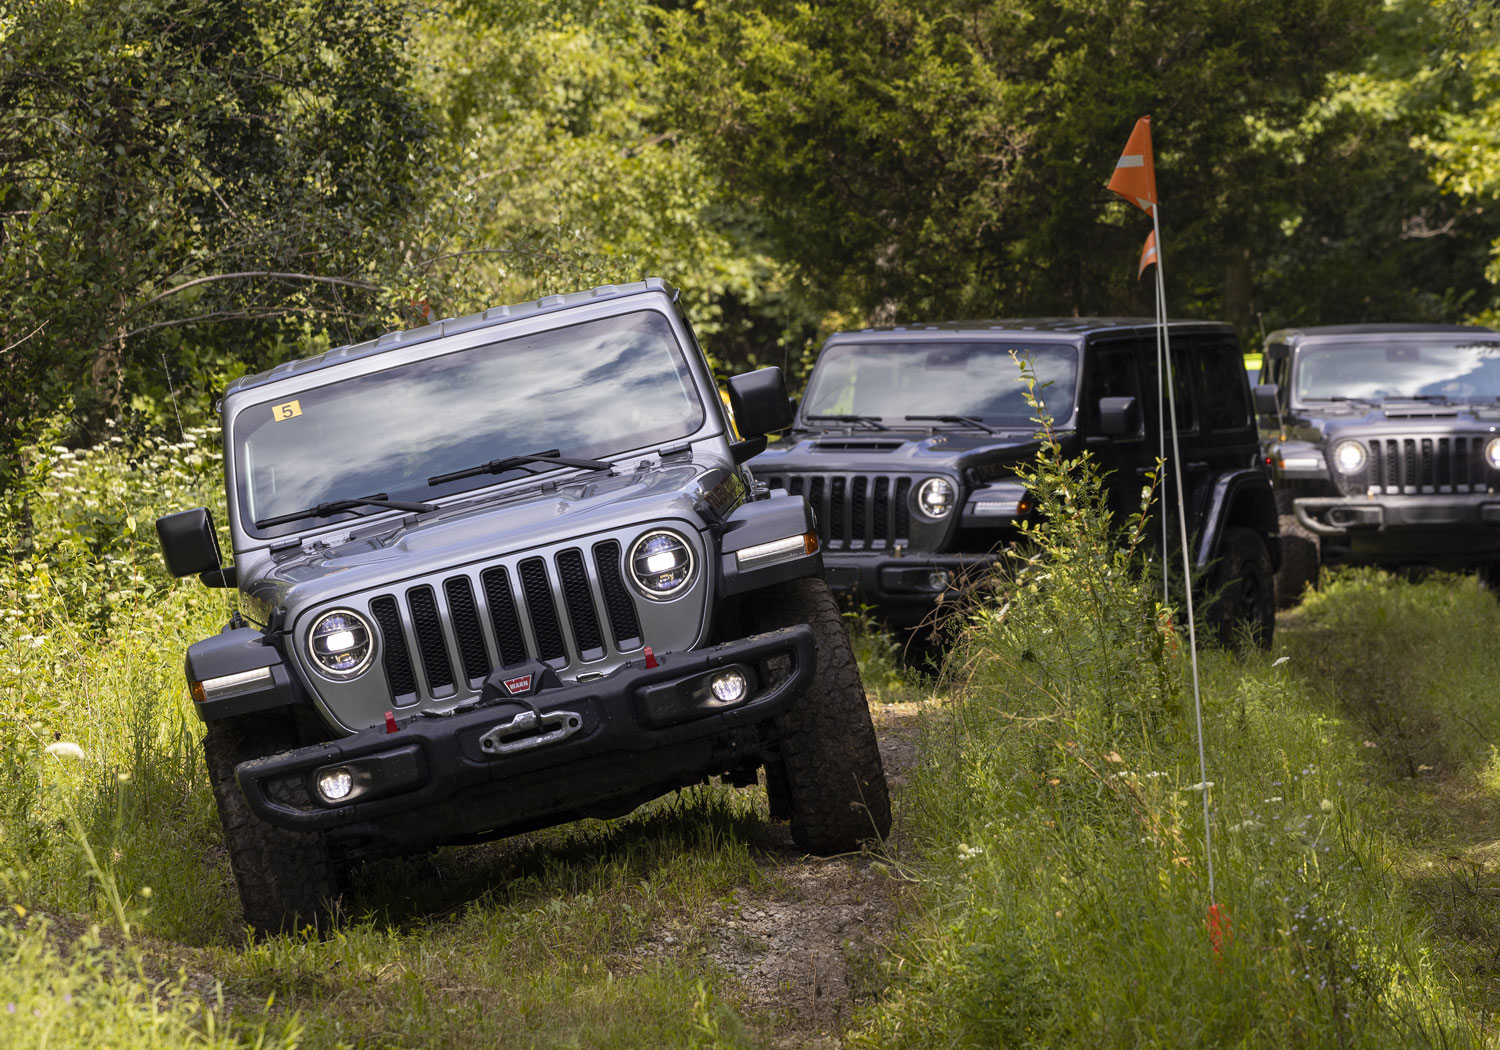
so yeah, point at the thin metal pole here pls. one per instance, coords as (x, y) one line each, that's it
(1187, 566)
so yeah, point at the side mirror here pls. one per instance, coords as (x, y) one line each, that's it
(190, 546)
(1119, 417)
(1266, 395)
(760, 402)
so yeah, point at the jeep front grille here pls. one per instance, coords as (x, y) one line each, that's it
(551, 609)
(1425, 464)
(854, 511)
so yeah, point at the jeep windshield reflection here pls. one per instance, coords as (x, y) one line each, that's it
(593, 389)
(1427, 370)
(889, 381)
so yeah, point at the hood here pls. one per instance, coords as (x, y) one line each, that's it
(482, 530)
(1397, 418)
(894, 451)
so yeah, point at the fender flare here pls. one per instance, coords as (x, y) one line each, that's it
(1238, 497)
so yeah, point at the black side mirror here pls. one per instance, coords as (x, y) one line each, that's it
(1119, 417)
(760, 402)
(1266, 395)
(190, 546)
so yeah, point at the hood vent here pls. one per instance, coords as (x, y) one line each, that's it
(854, 445)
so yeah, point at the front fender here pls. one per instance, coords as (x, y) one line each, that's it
(766, 542)
(1239, 497)
(239, 672)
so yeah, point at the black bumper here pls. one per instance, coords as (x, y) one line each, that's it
(1439, 526)
(635, 733)
(906, 588)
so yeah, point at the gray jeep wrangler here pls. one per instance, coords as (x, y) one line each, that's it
(504, 572)
(1382, 441)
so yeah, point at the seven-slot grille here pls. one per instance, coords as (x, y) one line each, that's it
(431, 652)
(1426, 464)
(854, 511)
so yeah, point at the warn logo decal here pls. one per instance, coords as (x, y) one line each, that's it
(518, 685)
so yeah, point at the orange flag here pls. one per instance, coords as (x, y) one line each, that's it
(1148, 254)
(1135, 172)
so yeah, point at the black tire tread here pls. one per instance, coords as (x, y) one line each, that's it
(1243, 557)
(830, 757)
(1299, 555)
(286, 879)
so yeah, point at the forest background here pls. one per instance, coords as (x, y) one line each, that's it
(195, 189)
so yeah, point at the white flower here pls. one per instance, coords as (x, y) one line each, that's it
(1279, 661)
(1326, 806)
(65, 749)
(1200, 786)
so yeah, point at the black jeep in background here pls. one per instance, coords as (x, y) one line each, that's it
(1384, 446)
(907, 439)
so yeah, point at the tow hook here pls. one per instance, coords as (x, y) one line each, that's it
(510, 737)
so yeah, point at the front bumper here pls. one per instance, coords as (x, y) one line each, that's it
(529, 763)
(905, 588)
(1440, 524)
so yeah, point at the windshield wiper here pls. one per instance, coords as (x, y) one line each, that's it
(968, 421)
(873, 422)
(338, 506)
(499, 466)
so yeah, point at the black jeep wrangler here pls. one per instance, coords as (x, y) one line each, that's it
(1384, 443)
(503, 572)
(906, 440)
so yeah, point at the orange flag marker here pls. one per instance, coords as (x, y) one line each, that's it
(1135, 171)
(1148, 254)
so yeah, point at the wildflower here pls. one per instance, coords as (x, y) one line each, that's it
(1200, 786)
(1279, 661)
(1326, 806)
(65, 749)
(967, 852)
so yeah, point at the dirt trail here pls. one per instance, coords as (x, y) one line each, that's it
(803, 949)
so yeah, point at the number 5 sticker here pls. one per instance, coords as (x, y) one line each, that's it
(280, 413)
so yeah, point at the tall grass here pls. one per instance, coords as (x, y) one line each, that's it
(1060, 853)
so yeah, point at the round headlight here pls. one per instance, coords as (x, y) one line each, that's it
(1492, 453)
(340, 644)
(935, 497)
(661, 564)
(1348, 456)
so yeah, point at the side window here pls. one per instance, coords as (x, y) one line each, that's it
(1182, 382)
(1112, 373)
(1225, 390)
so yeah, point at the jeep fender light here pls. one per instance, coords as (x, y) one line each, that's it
(229, 685)
(777, 551)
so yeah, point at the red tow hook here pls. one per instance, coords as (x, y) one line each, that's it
(650, 658)
(390, 723)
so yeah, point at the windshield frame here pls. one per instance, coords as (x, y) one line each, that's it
(1305, 350)
(245, 536)
(1006, 339)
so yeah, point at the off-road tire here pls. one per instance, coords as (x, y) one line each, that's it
(1299, 555)
(831, 776)
(286, 879)
(1244, 589)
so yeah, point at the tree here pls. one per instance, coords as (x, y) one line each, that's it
(949, 158)
(186, 185)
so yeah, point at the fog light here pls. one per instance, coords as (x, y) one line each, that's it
(729, 686)
(939, 579)
(335, 784)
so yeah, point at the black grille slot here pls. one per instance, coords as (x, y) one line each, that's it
(617, 601)
(859, 517)
(881, 532)
(794, 486)
(1409, 463)
(903, 509)
(815, 486)
(544, 622)
(466, 627)
(434, 651)
(503, 617)
(838, 528)
(393, 646)
(575, 584)
(1414, 465)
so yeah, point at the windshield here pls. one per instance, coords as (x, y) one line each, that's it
(1439, 370)
(588, 390)
(890, 381)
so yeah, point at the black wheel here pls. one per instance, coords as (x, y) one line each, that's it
(1299, 555)
(286, 878)
(1244, 590)
(830, 776)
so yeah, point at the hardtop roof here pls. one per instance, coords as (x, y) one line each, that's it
(1356, 333)
(493, 317)
(1059, 328)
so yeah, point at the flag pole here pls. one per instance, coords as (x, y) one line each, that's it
(1165, 344)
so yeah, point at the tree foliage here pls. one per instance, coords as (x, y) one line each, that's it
(188, 185)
